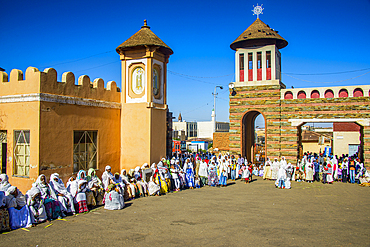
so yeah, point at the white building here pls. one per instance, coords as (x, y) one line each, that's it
(203, 129)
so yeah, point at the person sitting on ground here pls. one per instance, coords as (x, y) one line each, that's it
(128, 194)
(119, 182)
(4, 184)
(96, 186)
(15, 198)
(107, 177)
(62, 195)
(90, 199)
(144, 185)
(113, 199)
(52, 206)
(153, 188)
(78, 191)
(36, 206)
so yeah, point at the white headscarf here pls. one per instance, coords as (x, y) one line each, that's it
(44, 188)
(57, 186)
(4, 184)
(106, 177)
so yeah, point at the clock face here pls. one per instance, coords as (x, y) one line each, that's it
(155, 82)
(138, 80)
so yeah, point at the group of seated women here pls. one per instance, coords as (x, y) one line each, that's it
(50, 199)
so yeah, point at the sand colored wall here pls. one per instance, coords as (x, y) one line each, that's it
(52, 110)
(342, 139)
(58, 124)
(21, 116)
(135, 136)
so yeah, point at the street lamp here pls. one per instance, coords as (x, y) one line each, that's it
(214, 108)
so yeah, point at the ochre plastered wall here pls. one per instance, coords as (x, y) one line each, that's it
(59, 121)
(52, 110)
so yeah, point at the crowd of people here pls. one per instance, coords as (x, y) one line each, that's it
(52, 199)
(316, 167)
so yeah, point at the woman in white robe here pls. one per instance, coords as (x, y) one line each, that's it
(153, 187)
(49, 198)
(275, 169)
(4, 183)
(309, 170)
(267, 169)
(107, 177)
(64, 197)
(37, 208)
(113, 199)
(128, 194)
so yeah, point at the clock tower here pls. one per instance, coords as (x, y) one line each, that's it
(144, 59)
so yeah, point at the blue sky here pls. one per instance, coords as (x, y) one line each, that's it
(81, 36)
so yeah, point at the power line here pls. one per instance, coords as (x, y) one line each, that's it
(73, 61)
(330, 73)
(210, 77)
(96, 66)
(328, 81)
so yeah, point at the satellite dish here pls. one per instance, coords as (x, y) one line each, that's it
(231, 85)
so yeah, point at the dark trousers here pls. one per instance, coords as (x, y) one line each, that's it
(344, 176)
(317, 177)
(324, 178)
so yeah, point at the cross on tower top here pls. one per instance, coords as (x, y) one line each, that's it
(257, 10)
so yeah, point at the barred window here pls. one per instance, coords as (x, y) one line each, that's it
(21, 152)
(85, 150)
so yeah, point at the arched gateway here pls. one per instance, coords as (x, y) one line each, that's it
(258, 90)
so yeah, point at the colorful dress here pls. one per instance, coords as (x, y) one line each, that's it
(212, 175)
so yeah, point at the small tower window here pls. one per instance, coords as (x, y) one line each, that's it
(259, 66)
(250, 66)
(268, 65)
(241, 67)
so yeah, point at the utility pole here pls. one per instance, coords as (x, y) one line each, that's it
(214, 108)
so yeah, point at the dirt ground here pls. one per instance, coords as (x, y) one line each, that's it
(255, 214)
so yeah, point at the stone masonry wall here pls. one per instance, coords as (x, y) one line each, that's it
(221, 141)
(281, 137)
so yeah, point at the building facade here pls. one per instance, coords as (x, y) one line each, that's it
(258, 89)
(49, 126)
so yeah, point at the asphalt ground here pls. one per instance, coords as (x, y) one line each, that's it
(255, 214)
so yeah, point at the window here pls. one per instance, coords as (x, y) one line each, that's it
(329, 94)
(268, 65)
(315, 94)
(259, 66)
(301, 95)
(85, 150)
(250, 66)
(241, 67)
(22, 152)
(358, 92)
(343, 93)
(288, 95)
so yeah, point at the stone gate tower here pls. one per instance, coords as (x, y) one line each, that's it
(144, 59)
(258, 84)
(258, 90)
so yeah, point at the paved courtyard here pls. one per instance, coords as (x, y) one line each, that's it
(255, 214)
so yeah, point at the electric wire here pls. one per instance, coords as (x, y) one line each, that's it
(328, 81)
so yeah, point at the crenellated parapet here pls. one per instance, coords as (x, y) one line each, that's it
(45, 84)
(326, 92)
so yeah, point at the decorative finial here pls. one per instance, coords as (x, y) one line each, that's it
(257, 10)
(145, 25)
